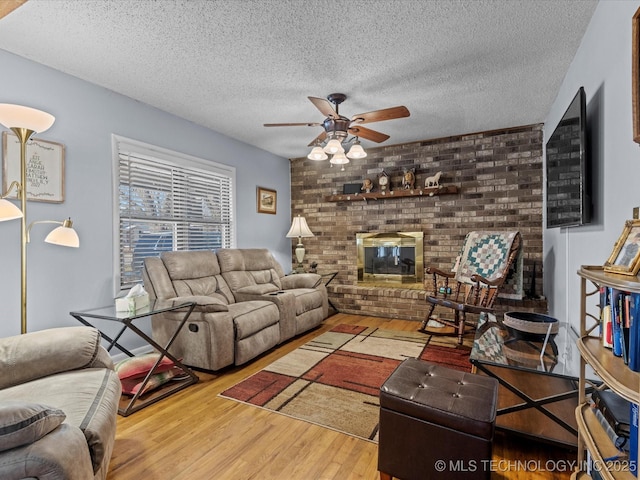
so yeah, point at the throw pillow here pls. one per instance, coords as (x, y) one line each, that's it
(139, 366)
(131, 386)
(23, 423)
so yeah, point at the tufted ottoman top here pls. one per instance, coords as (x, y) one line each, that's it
(461, 401)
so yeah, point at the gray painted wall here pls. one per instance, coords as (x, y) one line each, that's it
(603, 66)
(63, 279)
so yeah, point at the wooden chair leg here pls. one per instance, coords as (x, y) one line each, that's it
(424, 323)
(460, 319)
(385, 476)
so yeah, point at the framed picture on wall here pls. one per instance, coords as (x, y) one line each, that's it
(625, 257)
(45, 168)
(267, 200)
(635, 75)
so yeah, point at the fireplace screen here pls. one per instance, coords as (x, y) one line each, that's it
(390, 259)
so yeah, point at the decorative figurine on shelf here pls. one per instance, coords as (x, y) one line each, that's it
(433, 181)
(314, 267)
(383, 181)
(367, 186)
(409, 178)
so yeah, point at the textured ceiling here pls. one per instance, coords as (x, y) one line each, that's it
(459, 66)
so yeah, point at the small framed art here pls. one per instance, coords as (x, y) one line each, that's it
(625, 257)
(267, 200)
(635, 75)
(44, 164)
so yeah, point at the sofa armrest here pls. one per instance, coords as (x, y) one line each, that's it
(59, 455)
(39, 354)
(203, 303)
(259, 289)
(301, 280)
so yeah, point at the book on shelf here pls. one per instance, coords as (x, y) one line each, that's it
(620, 324)
(633, 439)
(605, 318)
(614, 409)
(625, 322)
(616, 306)
(634, 332)
(619, 441)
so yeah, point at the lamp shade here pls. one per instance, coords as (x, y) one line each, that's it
(17, 116)
(8, 211)
(334, 146)
(64, 236)
(317, 153)
(299, 228)
(356, 151)
(339, 159)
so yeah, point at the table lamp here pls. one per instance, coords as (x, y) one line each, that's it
(299, 228)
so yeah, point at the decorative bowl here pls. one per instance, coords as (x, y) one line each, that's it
(530, 326)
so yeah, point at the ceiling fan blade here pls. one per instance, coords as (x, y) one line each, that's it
(324, 106)
(381, 115)
(318, 140)
(315, 124)
(369, 134)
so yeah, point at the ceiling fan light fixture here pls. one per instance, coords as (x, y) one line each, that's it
(339, 159)
(334, 146)
(356, 151)
(317, 154)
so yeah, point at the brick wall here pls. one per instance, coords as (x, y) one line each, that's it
(499, 179)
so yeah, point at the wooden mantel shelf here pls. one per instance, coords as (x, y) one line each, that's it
(417, 192)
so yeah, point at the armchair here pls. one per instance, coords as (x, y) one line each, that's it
(474, 284)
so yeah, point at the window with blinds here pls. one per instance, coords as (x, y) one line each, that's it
(168, 201)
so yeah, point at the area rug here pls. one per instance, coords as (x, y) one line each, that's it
(334, 379)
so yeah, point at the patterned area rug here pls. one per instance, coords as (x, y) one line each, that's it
(334, 379)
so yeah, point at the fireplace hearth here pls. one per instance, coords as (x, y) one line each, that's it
(393, 259)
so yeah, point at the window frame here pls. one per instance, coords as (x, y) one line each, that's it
(119, 143)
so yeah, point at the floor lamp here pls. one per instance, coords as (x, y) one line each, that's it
(24, 122)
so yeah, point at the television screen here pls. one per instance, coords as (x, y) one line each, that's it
(568, 169)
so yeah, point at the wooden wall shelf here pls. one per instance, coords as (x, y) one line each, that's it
(416, 192)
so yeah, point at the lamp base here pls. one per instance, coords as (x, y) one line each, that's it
(300, 256)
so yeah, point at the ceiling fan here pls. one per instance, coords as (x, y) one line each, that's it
(338, 127)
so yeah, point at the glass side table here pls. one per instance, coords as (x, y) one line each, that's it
(538, 380)
(127, 320)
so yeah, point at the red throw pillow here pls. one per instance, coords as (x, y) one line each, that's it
(130, 386)
(139, 366)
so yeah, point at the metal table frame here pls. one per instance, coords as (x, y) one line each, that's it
(127, 320)
(548, 360)
(331, 276)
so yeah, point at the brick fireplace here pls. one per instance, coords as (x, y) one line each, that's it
(498, 179)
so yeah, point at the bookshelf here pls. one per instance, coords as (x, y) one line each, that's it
(611, 369)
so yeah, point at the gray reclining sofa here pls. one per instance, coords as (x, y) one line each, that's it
(245, 304)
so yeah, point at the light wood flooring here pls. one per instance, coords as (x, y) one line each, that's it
(197, 435)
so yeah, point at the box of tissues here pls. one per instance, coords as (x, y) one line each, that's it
(133, 301)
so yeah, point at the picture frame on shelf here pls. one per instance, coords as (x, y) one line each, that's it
(45, 168)
(625, 257)
(635, 75)
(267, 200)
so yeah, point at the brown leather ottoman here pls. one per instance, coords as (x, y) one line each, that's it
(436, 422)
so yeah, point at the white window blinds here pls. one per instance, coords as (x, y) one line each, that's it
(167, 201)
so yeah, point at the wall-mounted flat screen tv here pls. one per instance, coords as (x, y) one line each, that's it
(568, 168)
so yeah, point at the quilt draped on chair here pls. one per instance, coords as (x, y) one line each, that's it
(485, 254)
